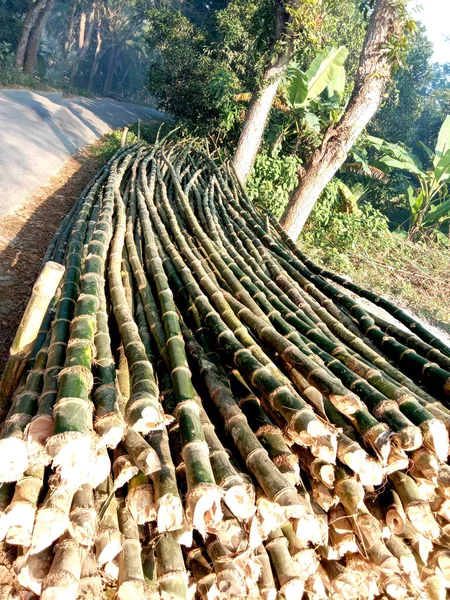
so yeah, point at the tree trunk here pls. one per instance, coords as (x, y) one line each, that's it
(96, 57)
(70, 27)
(29, 21)
(261, 102)
(371, 78)
(35, 38)
(82, 29)
(111, 68)
(81, 54)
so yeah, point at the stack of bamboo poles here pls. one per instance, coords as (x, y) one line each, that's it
(204, 412)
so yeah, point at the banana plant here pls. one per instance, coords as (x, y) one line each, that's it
(309, 94)
(326, 72)
(429, 204)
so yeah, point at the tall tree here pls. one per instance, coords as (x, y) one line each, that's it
(374, 71)
(87, 37)
(262, 98)
(30, 19)
(35, 37)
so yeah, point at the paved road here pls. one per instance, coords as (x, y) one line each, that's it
(40, 130)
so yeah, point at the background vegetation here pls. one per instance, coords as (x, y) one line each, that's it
(199, 61)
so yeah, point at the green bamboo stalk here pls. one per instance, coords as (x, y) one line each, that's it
(302, 420)
(143, 411)
(130, 583)
(203, 502)
(14, 458)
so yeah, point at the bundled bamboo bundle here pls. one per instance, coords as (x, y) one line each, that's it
(201, 411)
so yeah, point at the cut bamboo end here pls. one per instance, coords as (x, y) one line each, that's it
(293, 589)
(140, 502)
(369, 471)
(72, 457)
(110, 430)
(124, 470)
(395, 520)
(31, 569)
(240, 499)
(436, 438)
(83, 523)
(50, 524)
(317, 437)
(13, 459)
(203, 508)
(130, 590)
(347, 405)
(169, 513)
(111, 569)
(144, 413)
(108, 544)
(409, 438)
(232, 536)
(185, 535)
(38, 432)
(378, 437)
(20, 520)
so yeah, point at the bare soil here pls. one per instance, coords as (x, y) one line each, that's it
(25, 235)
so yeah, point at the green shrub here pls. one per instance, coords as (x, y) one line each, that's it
(273, 177)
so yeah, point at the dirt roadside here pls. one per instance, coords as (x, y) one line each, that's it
(25, 235)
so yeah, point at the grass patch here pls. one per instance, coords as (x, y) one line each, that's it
(413, 275)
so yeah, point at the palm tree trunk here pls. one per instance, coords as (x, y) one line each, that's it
(373, 74)
(35, 38)
(261, 102)
(29, 21)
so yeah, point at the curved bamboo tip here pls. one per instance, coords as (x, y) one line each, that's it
(203, 508)
(13, 459)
